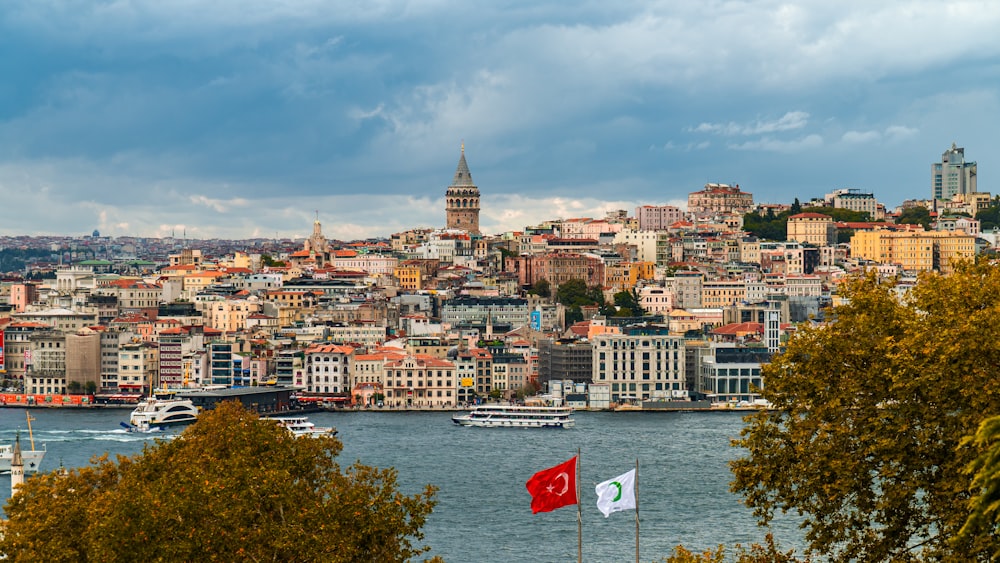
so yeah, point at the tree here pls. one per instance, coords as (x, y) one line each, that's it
(541, 288)
(915, 216)
(984, 505)
(866, 439)
(231, 487)
(628, 304)
(573, 292)
(796, 207)
(266, 260)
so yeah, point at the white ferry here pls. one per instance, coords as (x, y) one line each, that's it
(516, 416)
(164, 408)
(301, 426)
(32, 458)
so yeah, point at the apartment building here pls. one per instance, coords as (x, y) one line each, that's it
(812, 228)
(657, 217)
(420, 381)
(914, 251)
(640, 364)
(328, 368)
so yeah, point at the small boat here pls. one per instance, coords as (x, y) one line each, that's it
(32, 458)
(163, 408)
(301, 426)
(516, 416)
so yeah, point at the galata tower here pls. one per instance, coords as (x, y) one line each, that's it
(462, 199)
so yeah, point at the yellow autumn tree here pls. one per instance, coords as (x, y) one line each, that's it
(868, 439)
(230, 487)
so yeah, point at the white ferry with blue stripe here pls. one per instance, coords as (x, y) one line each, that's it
(516, 416)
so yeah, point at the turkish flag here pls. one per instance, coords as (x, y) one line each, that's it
(554, 487)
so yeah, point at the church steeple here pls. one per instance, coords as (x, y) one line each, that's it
(16, 466)
(462, 199)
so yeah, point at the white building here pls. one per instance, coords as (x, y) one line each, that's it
(640, 366)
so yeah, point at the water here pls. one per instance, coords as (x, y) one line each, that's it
(483, 511)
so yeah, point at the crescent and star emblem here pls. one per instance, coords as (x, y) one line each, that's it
(618, 496)
(565, 479)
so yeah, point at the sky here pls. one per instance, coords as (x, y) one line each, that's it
(251, 118)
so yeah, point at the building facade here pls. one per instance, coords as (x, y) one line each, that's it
(812, 228)
(720, 198)
(953, 175)
(640, 365)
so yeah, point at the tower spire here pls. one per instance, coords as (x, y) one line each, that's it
(462, 199)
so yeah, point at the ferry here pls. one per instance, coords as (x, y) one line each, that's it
(32, 458)
(300, 426)
(164, 408)
(516, 416)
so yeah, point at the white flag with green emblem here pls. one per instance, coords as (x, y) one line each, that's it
(616, 494)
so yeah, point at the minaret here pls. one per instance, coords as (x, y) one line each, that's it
(16, 466)
(462, 199)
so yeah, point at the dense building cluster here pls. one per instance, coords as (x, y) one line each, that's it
(684, 304)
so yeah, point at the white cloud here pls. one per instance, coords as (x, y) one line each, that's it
(860, 136)
(790, 121)
(900, 131)
(775, 145)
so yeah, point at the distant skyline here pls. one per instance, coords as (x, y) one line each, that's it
(240, 119)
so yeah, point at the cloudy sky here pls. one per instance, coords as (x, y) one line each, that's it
(243, 118)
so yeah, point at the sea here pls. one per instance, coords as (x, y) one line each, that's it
(483, 511)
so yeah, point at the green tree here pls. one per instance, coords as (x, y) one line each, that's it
(90, 387)
(231, 487)
(915, 216)
(796, 207)
(267, 260)
(541, 288)
(573, 292)
(628, 304)
(989, 218)
(871, 412)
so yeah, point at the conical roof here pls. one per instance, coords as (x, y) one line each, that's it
(462, 175)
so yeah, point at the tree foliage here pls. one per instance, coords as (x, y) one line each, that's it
(231, 487)
(627, 303)
(915, 216)
(866, 441)
(573, 293)
(989, 218)
(775, 227)
(541, 288)
(984, 504)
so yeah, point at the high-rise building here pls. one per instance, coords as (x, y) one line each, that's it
(953, 175)
(462, 199)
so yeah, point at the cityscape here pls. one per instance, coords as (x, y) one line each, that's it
(451, 281)
(656, 307)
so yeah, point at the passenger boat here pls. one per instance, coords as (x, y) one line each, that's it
(163, 408)
(32, 458)
(516, 416)
(301, 426)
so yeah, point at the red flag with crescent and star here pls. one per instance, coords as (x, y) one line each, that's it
(554, 487)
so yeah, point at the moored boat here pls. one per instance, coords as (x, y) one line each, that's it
(516, 416)
(32, 458)
(163, 409)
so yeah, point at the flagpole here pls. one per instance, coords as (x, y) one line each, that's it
(579, 513)
(636, 510)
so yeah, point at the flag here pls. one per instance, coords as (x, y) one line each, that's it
(616, 494)
(554, 487)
